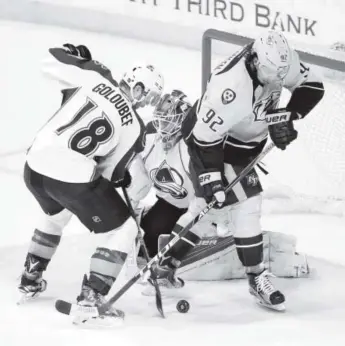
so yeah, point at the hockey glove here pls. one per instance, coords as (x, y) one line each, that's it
(125, 182)
(80, 51)
(280, 115)
(282, 134)
(212, 186)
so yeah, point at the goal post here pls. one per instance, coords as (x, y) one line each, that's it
(310, 175)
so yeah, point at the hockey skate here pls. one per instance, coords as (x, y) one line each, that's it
(31, 283)
(264, 292)
(91, 298)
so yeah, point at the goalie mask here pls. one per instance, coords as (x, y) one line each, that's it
(168, 117)
(142, 85)
(271, 57)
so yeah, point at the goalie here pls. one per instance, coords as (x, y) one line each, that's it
(164, 165)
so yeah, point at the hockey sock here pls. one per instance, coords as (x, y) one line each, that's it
(250, 250)
(108, 260)
(47, 235)
(259, 268)
(44, 245)
(105, 267)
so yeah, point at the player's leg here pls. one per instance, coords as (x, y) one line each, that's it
(159, 219)
(248, 236)
(246, 217)
(46, 236)
(102, 210)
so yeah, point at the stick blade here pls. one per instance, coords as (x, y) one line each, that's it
(159, 302)
(63, 307)
(76, 310)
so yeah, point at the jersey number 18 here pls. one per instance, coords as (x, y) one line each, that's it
(87, 140)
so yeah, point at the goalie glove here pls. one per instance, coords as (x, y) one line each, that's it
(124, 182)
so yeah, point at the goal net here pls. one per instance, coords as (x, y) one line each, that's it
(309, 176)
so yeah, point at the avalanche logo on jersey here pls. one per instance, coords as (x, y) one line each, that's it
(168, 180)
(265, 104)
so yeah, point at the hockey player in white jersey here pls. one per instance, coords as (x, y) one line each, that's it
(165, 166)
(234, 119)
(77, 159)
(235, 116)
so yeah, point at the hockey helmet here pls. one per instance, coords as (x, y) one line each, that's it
(143, 85)
(272, 57)
(169, 114)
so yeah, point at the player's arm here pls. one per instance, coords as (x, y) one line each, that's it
(306, 88)
(206, 143)
(306, 92)
(140, 183)
(68, 65)
(214, 119)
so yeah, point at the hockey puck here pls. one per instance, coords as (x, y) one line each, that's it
(182, 306)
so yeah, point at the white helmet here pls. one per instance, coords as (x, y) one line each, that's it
(143, 85)
(273, 57)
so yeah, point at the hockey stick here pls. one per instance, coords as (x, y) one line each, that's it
(89, 312)
(153, 278)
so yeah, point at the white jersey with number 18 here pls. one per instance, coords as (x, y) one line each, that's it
(95, 132)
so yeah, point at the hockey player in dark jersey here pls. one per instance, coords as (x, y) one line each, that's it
(78, 158)
(234, 120)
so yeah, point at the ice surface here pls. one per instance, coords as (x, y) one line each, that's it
(221, 313)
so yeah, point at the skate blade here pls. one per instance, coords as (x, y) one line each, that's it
(100, 321)
(278, 307)
(27, 297)
(261, 302)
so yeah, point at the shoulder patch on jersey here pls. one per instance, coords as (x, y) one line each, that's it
(228, 96)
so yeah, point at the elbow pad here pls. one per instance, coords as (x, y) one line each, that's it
(305, 98)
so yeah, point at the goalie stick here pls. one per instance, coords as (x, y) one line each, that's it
(89, 312)
(153, 277)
